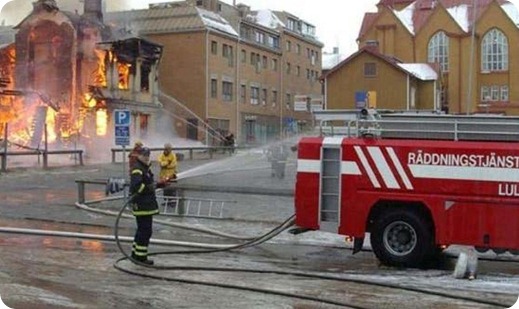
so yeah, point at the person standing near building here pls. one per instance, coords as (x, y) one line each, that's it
(168, 164)
(144, 205)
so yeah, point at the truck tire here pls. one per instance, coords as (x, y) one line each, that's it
(403, 238)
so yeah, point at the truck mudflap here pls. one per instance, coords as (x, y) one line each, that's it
(357, 244)
(299, 230)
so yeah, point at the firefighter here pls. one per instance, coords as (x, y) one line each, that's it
(144, 205)
(168, 173)
(132, 157)
(168, 164)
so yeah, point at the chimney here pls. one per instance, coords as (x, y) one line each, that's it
(94, 10)
(243, 9)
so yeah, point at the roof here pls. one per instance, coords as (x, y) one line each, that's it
(415, 15)
(266, 18)
(421, 71)
(170, 19)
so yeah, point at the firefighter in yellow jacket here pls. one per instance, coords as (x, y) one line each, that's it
(168, 164)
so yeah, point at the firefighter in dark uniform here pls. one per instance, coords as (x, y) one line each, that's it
(144, 205)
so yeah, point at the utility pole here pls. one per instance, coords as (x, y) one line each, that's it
(472, 52)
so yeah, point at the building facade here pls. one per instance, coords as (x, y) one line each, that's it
(227, 68)
(476, 48)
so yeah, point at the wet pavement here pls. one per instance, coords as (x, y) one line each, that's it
(51, 272)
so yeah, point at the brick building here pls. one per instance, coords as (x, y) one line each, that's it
(472, 80)
(253, 73)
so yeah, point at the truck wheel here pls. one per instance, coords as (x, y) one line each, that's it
(403, 238)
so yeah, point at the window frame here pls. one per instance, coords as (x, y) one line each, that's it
(438, 50)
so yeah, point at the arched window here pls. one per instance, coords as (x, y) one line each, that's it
(494, 51)
(438, 50)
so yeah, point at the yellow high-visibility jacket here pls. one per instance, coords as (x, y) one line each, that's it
(168, 165)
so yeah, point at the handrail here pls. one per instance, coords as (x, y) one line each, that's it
(209, 149)
(39, 152)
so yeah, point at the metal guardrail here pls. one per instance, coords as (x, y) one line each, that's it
(443, 127)
(45, 154)
(210, 150)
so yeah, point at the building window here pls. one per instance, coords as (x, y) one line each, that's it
(260, 37)
(254, 95)
(265, 62)
(494, 51)
(289, 46)
(273, 41)
(288, 101)
(227, 91)
(243, 56)
(370, 69)
(298, 71)
(485, 94)
(504, 93)
(274, 64)
(288, 67)
(243, 93)
(438, 50)
(214, 48)
(264, 98)
(495, 93)
(298, 49)
(214, 86)
(274, 97)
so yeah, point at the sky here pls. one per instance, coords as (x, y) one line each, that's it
(337, 22)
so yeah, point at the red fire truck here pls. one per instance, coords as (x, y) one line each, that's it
(414, 192)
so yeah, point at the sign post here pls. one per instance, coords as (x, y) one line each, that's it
(122, 122)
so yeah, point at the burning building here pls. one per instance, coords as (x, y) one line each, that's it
(67, 73)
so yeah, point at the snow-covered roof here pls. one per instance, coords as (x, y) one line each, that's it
(422, 71)
(460, 15)
(266, 18)
(406, 17)
(511, 10)
(330, 60)
(215, 21)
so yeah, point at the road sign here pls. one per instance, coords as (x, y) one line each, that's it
(122, 135)
(122, 127)
(122, 117)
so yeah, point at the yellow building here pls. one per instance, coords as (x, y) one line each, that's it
(476, 49)
(377, 81)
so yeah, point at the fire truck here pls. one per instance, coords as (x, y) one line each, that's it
(414, 183)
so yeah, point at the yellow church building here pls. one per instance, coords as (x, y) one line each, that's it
(474, 51)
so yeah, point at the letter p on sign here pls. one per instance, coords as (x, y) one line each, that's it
(122, 117)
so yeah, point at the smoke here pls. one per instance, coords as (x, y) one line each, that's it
(14, 11)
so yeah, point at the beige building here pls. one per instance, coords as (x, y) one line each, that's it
(476, 49)
(252, 73)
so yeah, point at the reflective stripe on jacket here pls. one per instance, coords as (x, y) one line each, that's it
(144, 202)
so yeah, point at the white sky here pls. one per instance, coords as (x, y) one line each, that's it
(337, 21)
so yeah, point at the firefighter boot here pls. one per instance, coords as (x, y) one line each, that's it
(141, 259)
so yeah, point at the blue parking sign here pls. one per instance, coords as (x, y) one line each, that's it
(122, 117)
(122, 127)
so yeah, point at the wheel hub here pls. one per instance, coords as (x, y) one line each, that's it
(399, 238)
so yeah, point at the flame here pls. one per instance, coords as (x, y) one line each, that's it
(101, 122)
(100, 72)
(124, 75)
(50, 120)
